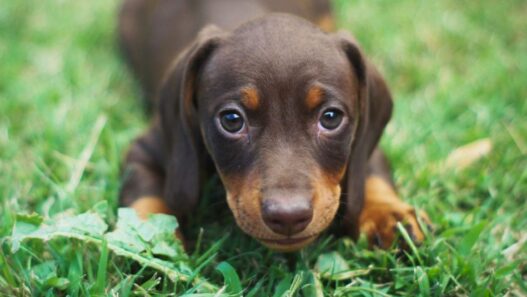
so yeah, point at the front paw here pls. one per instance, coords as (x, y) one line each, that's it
(379, 223)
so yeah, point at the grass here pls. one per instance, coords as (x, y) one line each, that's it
(458, 70)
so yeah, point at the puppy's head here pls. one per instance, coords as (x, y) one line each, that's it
(278, 105)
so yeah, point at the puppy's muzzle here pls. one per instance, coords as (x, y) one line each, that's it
(287, 212)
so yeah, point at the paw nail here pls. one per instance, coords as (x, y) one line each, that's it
(377, 241)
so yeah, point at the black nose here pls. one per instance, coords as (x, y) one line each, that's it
(287, 215)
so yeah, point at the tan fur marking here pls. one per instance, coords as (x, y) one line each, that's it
(382, 210)
(314, 97)
(250, 98)
(326, 23)
(149, 205)
(244, 198)
(325, 201)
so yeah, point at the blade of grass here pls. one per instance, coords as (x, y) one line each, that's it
(86, 154)
(102, 269)
(231, 278)
(410, 242)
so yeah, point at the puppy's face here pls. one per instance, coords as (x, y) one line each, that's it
(277, 104)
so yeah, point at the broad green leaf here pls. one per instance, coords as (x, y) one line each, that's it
(164, 249)
(164, 225)
(126, 234)
(155, 235)
(132, 238)
(331, 264)
(146, 231)
(87, 224)
(127, 240)
(24, 225)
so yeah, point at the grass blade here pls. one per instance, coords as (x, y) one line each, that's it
(231, 278)
(102, 270)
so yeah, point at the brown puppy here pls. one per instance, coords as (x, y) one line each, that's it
(287, 115)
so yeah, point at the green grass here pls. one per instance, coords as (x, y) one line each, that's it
(458, 71)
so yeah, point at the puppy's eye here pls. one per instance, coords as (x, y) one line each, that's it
(331, 118)
(231, 121)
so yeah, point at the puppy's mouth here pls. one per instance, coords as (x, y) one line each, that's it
(288, 244)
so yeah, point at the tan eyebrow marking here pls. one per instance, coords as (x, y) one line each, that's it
(326, 23)
(250, 98)
(314, 97)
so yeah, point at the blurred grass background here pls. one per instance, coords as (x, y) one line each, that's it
(458, 71)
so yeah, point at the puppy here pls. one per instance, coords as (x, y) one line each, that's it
(288, 115)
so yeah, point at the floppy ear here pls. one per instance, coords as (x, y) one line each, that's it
(184, 148)
(375, 109)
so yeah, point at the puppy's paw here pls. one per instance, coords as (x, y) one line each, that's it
(379, 223)
(383, 210)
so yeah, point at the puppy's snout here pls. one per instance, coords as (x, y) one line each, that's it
(287, 214)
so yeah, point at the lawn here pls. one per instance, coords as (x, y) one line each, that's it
(69, 108)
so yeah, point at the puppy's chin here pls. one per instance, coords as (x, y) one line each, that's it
(288, 245)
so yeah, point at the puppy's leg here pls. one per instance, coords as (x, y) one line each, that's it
(383, 208)
(144, 176)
